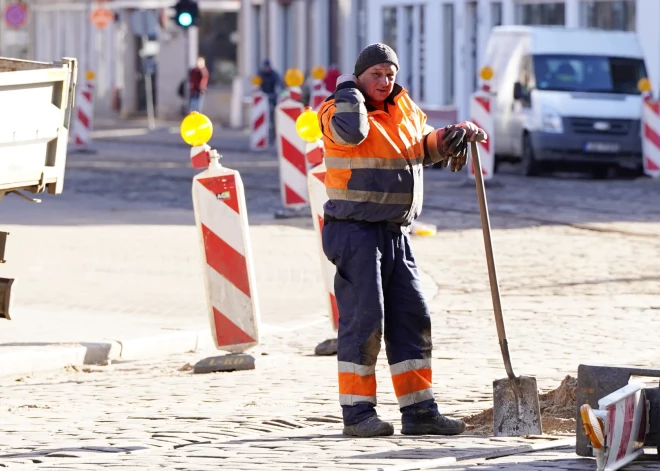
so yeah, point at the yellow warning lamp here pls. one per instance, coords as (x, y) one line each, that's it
(196, 129)
(486, 73)
(318, 73)
(90, 75)
(307, 125)
(593, 426)
(294, 78)
(644, 85)
(257, 80)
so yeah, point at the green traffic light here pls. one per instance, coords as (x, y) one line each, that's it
(185, 19)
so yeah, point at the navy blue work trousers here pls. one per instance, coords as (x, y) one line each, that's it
(377, 283)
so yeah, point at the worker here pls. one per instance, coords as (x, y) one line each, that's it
(376, 142)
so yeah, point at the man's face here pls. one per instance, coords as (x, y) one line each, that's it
(377, 81)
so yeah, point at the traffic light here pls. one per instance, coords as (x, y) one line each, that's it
(186, 13)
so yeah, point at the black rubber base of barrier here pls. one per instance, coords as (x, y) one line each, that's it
(224, 363)
(327, 347)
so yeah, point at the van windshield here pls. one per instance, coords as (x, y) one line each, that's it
(596, 74)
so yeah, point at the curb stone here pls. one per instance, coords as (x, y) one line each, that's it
(21, 360)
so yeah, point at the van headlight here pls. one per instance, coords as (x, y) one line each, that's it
(551, 121)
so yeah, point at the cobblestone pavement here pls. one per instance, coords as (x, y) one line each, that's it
(579, 274)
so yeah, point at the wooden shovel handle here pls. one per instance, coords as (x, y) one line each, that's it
(492, 274)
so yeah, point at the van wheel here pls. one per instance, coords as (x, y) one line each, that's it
(529, 166)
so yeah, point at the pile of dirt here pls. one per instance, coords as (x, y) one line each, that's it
(558, 409)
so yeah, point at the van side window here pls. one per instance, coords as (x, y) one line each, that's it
(527, 81)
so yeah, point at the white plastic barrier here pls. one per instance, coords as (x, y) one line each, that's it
(84, 115)
(318, 94)
(291, 151)
(222, 223)
(259, 121)
(318, 196)
(651, 137)
(481, 106)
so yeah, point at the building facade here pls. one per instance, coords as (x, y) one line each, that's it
(440, 43)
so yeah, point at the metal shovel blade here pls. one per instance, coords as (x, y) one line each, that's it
(516, 411)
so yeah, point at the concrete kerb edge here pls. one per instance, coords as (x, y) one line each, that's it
(27, 360)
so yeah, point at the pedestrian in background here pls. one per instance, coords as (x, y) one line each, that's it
(331, 77)
(271, 84)
(198, 80)
(376, 142)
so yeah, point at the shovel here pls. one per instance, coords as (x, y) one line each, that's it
(516, 410)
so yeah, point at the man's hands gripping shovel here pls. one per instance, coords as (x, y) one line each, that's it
(454, 141)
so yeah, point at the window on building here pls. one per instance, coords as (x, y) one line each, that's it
(362, 25)
(448, 56)
(618, 15)
(550, 13)
(389, 27)
(496, 13)
(334, 41)
(422, 52)
(289, 35)
(407, 66)
(218, 39)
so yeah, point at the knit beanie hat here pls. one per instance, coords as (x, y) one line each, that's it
(375, 54)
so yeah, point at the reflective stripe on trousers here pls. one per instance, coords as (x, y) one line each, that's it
(377, 280)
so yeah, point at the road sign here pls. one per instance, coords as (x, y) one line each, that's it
(15, 15)
(102, 17)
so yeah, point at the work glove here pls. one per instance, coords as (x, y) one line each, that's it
(453, 142)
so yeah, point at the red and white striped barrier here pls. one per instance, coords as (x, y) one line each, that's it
(290, 93)
(625, 423)
(84, 114)
(259, 121)
(291, 153)
(481, 114)
(318, 196)
(651, 137)
(318, 94)
(222, 223)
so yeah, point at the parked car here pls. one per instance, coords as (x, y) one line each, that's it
(566, 96)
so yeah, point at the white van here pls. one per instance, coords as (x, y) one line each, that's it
(566, 95)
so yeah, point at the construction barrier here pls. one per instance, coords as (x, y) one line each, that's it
(259, 120)
(318, 94)
(291, 149)
(222, 224)
(651, 137)
(84, 114)
(481, 114)
(618, 428)
(291, 155)
(318, 196)
(290, 93)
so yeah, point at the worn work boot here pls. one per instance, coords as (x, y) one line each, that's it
(370, 427)
(425, 422)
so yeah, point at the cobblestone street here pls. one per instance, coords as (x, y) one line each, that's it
(579, 269)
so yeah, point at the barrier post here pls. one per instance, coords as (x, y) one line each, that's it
(481, 114)
(84, 116)
(318, 92)
(307, 127)
(650, 130)
(291, 150)
(259, 117)
(227, 263)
